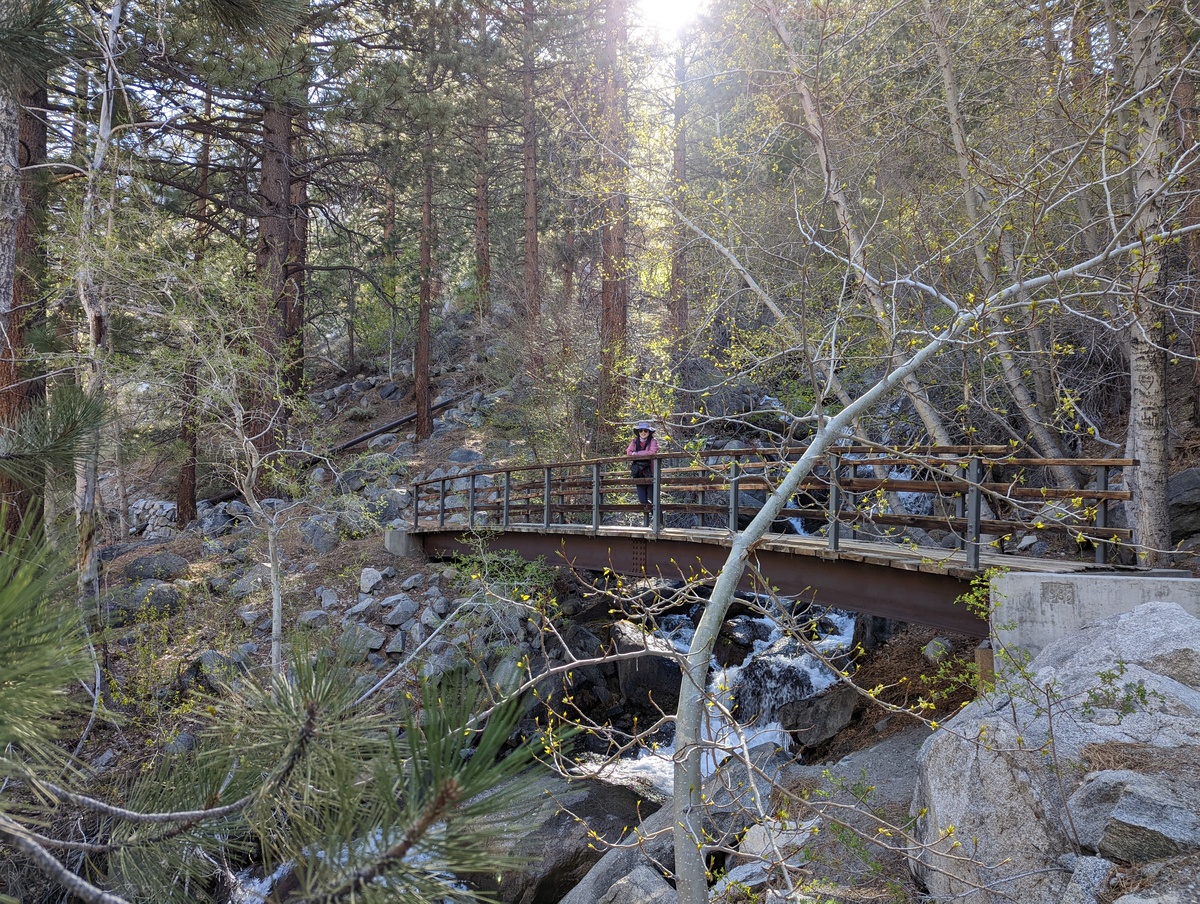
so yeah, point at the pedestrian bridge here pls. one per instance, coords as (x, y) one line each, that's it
(894, 533)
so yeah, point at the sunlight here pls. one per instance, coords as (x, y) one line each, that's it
(667, 16)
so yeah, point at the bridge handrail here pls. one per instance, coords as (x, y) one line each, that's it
(586, 487)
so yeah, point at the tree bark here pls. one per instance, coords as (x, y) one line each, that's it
(271, 258)
(423, 389)
(93, 298)
(677, 300)
(1027, 405)
(483, 226)
(292, 302)
(1148, 417)
(529, 160)
(835, 190)
(687, 802)
(12, 395)
(185, 490)
(614, 278)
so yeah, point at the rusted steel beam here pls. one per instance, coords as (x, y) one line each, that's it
(913, 596)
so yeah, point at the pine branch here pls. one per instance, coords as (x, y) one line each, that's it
(433, 813)
(17, 837)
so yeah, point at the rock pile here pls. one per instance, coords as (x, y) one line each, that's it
(154, 519)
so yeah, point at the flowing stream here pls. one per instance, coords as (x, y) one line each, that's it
(777, 670)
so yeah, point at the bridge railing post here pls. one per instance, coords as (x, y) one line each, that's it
(1101, 515)
(735, 478)
(471, 503)
(442, 503)
(974, 508)
(546, 475)
(595, 498)
(507, 498)
(416, 498)
(960, 512)
(835, 502)
(655, 499)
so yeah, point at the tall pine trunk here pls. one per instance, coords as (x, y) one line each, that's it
(265, 409)
(677, 300)
(292, 304)
(12, 395)
(614, 277)
(533, 303)
(421, 367)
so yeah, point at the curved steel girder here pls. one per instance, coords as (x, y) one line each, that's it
(921, 597)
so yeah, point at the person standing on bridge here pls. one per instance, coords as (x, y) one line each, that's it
(642, 450)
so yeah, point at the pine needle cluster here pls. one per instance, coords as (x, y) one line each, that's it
(336, 800)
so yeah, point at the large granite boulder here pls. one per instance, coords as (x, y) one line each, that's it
(1096, 747)
(561, 848)
(149, 598)
(161, 566)
(1183, 491)
(650, 681)
(735, 798)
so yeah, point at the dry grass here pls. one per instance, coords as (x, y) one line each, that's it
(1144, 758)
(906, 677)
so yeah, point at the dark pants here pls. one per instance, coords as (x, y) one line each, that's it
(643, 491)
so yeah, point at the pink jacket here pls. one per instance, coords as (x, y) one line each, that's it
(651, 448)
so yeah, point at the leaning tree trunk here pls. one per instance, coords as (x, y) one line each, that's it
(1027, 405)
(93, 298)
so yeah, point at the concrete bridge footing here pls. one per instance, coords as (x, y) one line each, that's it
(1031, 610)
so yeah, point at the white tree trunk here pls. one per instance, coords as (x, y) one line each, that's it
(1147, 357)
(690, 878)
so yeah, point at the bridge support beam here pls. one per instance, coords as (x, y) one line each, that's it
(922, 597)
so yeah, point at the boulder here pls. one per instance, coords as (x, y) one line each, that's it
(213, 520)
(1089, 878)
(162, 566)
(384, 504)
(560, 848)
(256, 579)
(650, 681)
(1129, 816)
(1009, 774)
(320, 532)
(124, 605)
(733, 793)
(814, 720)
(365, 609)
(382, 441)
(314, 618)
(361, 639)
(1183, 491)
(400, 608)
(642, 886)
(370, 579)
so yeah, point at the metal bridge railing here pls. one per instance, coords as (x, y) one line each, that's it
(856, 489)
